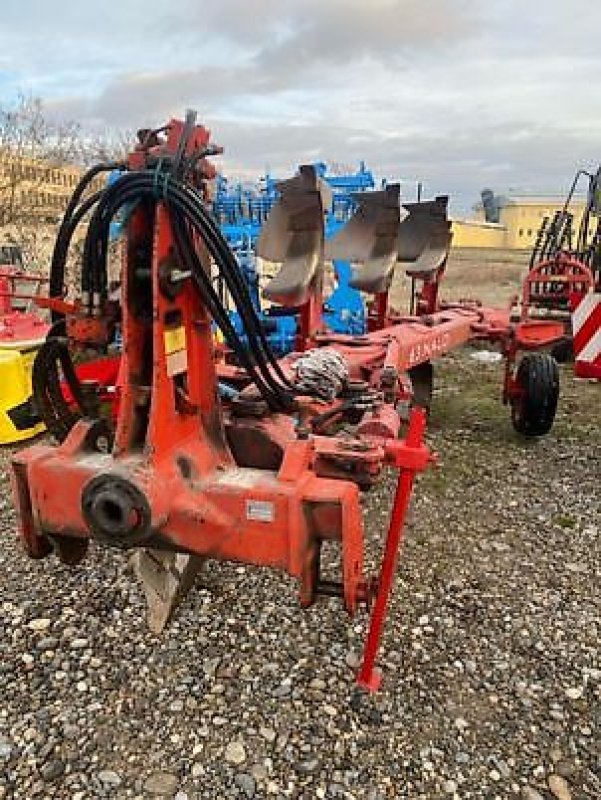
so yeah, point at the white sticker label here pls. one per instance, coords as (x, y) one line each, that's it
(260, 510)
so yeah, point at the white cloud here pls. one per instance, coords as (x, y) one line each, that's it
(458, 93)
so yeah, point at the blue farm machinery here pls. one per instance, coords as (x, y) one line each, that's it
(243, 210)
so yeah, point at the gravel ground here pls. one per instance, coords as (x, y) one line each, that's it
(492, 678)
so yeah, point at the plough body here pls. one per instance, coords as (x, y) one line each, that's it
(269, 474)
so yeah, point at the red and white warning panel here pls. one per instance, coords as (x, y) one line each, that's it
(586, 327)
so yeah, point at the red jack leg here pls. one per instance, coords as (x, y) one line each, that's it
(369, 676)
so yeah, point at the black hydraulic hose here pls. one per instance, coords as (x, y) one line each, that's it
(63, 240)
(85, 180)
(135, 184)
(267, 377)
(81, 187)
(129, 188)
(220, 252)
(49, 399)
(239, 292)
(236, 284)
(61, 249)
(187, 214)
(252, 325)
(211, 299)
(217, 245)
(71, 377)
(94, 251)
(265, 382)
(93, 273)
(253, 322)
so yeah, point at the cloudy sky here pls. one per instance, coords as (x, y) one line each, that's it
(458, 93)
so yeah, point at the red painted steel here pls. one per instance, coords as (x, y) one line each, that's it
(586, 323)
(171, 480)
(369, 677)
(555, 284)
(20, 327)
(189, 474)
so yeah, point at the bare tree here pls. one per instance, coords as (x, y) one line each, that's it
(30, 147)
(37, 160)
(105, 145)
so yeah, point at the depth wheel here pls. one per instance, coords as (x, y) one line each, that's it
(533, 410)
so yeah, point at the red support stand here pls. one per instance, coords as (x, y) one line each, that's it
(369, 676)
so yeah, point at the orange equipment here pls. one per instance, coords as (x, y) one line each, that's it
(268, 473)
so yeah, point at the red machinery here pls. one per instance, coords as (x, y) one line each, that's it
(377, 240)
(268, 475)
(22, 331)
(20, 324)
(565, 264)
(586, 326)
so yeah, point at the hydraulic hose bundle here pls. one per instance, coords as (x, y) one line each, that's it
(188, 216)
(53, 361)
(167, 184)
(170, 179)
(74, 213)
(58, 416)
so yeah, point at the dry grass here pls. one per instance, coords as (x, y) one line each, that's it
(492, 276)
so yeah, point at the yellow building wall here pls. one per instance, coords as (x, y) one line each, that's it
(36, 189)
(522, 221)
(519, 222)
(472, 233)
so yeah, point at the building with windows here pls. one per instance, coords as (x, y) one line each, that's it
(522, 217)
(478, 233)
(34, 190)
(517, 220)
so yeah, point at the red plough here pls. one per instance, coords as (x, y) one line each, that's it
(564, 278)
(268, 471)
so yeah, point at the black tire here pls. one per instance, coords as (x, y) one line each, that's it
(563, 352)
(533, 413)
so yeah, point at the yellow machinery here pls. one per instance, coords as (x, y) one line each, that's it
(18, 418)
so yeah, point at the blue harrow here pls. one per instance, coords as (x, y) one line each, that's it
(242, 211)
